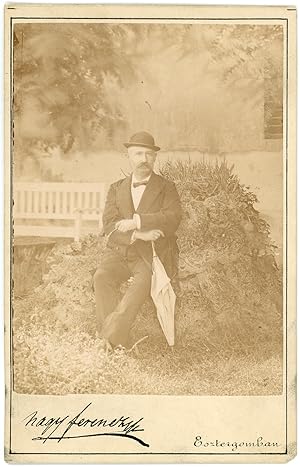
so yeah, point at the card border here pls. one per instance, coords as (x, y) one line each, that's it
(11, 128)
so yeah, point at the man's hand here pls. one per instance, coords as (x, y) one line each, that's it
(149, 235)
(125, 225)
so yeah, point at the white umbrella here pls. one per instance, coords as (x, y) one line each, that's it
(164, 298)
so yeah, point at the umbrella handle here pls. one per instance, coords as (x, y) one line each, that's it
(153, 250)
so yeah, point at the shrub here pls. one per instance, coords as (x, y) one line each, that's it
(229, 276)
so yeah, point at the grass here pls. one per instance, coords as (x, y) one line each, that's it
(52, 359)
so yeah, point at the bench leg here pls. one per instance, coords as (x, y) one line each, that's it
(77, 226)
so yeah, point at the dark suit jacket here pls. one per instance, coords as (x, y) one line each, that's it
(159, 208)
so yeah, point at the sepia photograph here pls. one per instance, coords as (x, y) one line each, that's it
(148, 207)
(91, 104)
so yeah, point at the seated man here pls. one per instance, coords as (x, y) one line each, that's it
(139, 209)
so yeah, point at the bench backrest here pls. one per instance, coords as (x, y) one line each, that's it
(58, 200)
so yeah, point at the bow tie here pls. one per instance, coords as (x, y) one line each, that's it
(136, 184)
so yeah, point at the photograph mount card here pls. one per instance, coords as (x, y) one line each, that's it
(150, 206)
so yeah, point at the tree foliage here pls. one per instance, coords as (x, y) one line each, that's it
(59, 71)
(68, 77)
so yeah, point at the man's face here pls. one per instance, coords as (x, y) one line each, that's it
(141, 160)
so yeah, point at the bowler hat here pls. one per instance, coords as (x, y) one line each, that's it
(143, 139)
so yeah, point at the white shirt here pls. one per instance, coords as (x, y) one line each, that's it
(137, 193)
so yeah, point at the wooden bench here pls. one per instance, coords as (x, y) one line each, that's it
(52, 204)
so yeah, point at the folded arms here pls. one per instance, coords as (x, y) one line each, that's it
(145, 226)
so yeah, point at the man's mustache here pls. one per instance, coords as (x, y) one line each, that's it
(143, 164)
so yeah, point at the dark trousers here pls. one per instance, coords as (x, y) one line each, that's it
(114, 317)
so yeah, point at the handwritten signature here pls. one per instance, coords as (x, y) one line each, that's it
(60, 428)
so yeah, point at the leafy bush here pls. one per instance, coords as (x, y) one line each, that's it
(228, 271)
(229, 301)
